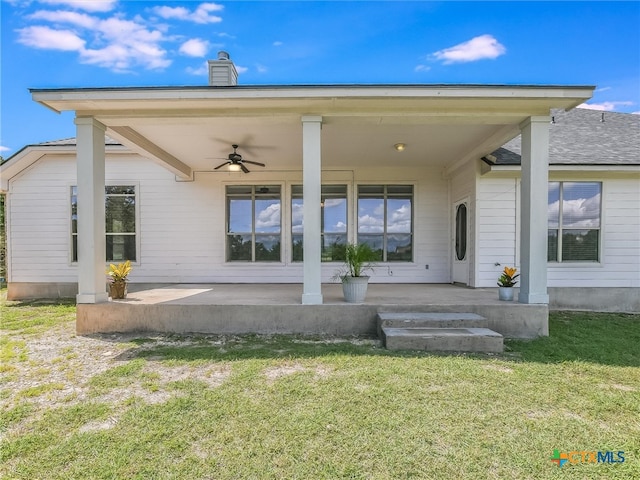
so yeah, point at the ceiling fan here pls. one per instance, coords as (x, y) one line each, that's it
(236, 162)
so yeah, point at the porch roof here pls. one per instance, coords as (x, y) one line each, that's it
(190, 129)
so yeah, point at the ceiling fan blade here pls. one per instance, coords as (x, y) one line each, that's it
(254, 163)
(222, 165)
(244, 169)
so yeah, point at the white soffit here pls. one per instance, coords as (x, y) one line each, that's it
(190, 128)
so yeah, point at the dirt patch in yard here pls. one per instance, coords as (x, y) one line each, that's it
(60, 368)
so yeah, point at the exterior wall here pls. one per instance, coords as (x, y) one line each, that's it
(620, 233)
(620, 239)
(181, 225)
(497, 200)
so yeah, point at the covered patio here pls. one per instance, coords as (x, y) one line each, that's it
(276, 309)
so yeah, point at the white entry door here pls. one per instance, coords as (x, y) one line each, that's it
(460, 264)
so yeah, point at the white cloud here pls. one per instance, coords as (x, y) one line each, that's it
(202, 14)
(422, 68)
(194, 47)
(478, 48)
(268, 219)
(4, 149)
(297, 215)
(241, 70)
(370, 224)
(129, 43)
(203, 69)
(602, 89)
(604, 106)
(578, 213)
(50, 39)
(261, 68)
(87, 5)
(277, 43)
(60, 16)
(400, 220)
(116, 43)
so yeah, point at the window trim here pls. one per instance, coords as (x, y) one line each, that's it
(586, 263)
(110, 183)
(356, 217)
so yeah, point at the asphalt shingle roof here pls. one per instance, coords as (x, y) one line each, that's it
(581, 137)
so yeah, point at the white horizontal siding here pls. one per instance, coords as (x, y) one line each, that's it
(620, 241)
(181, 224)
(620, 235)
(497, 229)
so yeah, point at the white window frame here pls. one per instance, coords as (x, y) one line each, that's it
(356, 205)
(559, 260)
(123, 183)
(226, 232)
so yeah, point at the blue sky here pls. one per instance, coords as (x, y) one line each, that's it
(93, 43)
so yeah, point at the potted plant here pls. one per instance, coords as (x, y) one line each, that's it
(506, 283)
(118, 279)
(359, 258)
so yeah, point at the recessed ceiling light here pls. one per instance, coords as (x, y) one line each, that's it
(399, 147)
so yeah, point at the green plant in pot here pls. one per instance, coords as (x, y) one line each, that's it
(506, 282)
(118, 279)
(359, 258)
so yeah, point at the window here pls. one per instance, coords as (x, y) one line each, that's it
(461, 232)
(385, 220)
(253, 223)
(574, 221)
(120, 223)
(333, 231)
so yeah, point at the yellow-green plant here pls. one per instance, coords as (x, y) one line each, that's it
(119, 272)
(508, 277)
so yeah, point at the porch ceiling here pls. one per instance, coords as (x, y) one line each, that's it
(194, 128)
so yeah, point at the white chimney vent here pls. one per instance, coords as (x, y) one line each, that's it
(222, 72)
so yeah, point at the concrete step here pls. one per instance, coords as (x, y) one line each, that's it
(470, 339)
(429, 320)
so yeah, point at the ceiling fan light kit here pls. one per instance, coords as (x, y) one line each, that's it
(236, 162)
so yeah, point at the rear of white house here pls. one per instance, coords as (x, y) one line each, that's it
(427, 225)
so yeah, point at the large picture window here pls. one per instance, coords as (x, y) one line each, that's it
(120, 223)
(333, 204)
(253, 223)
(574, 221)
(385, 220)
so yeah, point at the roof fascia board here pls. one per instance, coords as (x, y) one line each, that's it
(65, 99)
(30, 154)
(487, 169)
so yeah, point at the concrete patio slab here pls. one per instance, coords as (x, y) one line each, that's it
(276, 308)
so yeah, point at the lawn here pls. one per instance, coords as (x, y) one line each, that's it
(205, 407)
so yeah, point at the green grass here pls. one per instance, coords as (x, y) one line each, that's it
(35, 317)
(287, 407)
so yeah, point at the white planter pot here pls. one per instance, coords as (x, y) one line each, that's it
(505, 294)
(355, 289)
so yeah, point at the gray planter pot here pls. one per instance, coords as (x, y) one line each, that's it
(355, 289)
(505, 294)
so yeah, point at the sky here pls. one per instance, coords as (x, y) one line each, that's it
(118, 43)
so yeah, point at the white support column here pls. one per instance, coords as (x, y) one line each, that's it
(312, 170)
(91, 228)
(533, 219)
